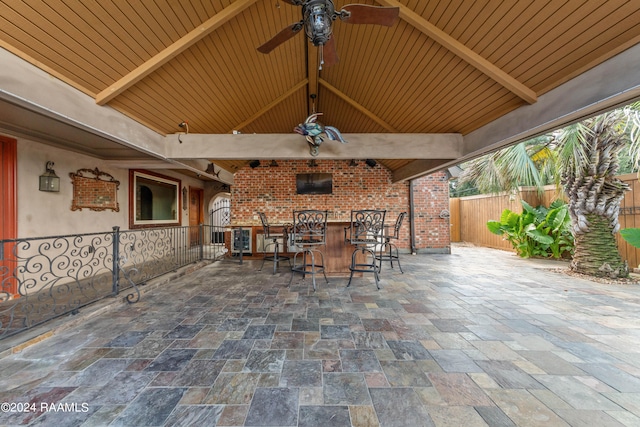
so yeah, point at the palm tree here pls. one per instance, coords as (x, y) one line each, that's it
(529, 163)
(582, 157)
(589, 163)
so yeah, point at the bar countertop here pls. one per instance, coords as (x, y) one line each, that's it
(257, 223)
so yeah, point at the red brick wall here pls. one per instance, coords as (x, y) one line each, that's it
(431, 209)
(93, 193)
(273, 191)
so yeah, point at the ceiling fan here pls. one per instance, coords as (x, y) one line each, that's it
(317, 20)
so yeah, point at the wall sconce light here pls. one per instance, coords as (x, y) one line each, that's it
(371, 163)
(183, 125)
(254, 163)
(49, 181)
(185, 196)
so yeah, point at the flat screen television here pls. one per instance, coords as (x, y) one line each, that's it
(314, 183)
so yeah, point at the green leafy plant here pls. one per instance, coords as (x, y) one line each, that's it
(631, 236)
(539, 232)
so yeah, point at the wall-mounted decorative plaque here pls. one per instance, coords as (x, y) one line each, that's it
(94, 190)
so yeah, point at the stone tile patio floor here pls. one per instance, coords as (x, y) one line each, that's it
(475, 338)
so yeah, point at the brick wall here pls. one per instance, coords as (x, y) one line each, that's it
(273, 191)
(93, 193)
(431, 209)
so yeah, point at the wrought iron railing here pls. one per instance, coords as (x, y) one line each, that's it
(46, 277)
(219, 219)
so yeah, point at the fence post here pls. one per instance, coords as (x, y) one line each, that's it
(116, 258)
(201, 238)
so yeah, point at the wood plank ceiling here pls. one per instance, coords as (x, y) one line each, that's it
(445, 66)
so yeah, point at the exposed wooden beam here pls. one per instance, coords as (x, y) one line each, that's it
(463, 52)
(417, 168)
(357, 106)
(173, 50)
(294, 146)
(272, 104)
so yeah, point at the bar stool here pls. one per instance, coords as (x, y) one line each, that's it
(308, 233)
(364, 232)
(274, 241)
(389, 251)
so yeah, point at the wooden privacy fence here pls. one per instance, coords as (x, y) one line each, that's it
(469, 215)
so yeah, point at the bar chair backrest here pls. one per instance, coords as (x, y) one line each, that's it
(266, 228)
(309, 228)
(396, 227)
(367, 226)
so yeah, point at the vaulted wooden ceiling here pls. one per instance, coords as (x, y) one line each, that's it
(444, 67)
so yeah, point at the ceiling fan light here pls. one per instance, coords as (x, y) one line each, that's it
(317, 22)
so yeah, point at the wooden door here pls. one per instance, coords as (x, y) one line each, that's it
(196, 213)
(8, 209)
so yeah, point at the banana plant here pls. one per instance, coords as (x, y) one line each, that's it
(537, 231)
(557, 224)
(631, 236)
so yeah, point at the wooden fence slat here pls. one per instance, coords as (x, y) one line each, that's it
(469, 216)
(454, 214)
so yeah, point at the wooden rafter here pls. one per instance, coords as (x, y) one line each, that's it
(272, 104)
(463, 52)
(357, 106)
(173, 50)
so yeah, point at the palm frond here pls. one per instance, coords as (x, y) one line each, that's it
(587, 148)
(574, 151)
(633, 113)
(482, 173)
(518, 167)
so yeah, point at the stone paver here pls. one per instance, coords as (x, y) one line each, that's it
(475, 338)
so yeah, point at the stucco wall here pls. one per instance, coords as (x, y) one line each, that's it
(49, 214)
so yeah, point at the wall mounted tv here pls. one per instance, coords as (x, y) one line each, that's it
(314, 183)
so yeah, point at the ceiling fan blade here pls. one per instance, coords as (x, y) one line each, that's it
(330, 53)
(281, 37)
(366, 14)
(294, 2)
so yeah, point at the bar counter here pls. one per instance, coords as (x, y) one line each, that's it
(337, 253)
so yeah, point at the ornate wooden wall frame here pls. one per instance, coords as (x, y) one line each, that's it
(94, 190)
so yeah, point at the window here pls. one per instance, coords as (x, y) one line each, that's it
(153, 200)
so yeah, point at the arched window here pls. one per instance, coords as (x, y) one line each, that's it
(146, 203)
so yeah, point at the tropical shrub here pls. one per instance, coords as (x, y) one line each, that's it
(631, 236)
(536, 232)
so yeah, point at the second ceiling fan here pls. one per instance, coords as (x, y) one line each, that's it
(317, 21)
